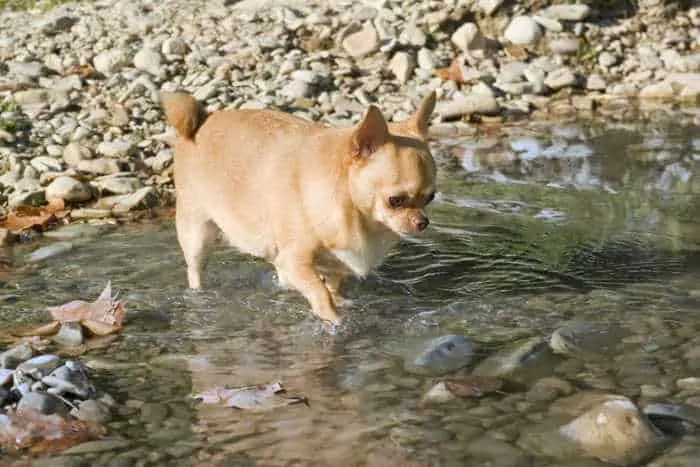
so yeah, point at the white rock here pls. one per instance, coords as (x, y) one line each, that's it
(511, 72)
(174, 46)
(474, 103)
(148, 60)
(570, 12)
(688, 83)
(662, 90)
(564, 46)
(110, 61)
(561, 78)
(69, 190)
(46, 164)
(522, 30)
(595, 82)
(616, 432)
(426, 61)
(73, 153)
(413, 35)
(402, 65)
(489, 7)
(438, 394)
(117, 185)
(549, 24)
(296, 89)
(468, 37)
(608, 59)
(361, 42)
(117, 148)
(100, 166)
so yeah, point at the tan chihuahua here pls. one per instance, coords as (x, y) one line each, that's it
(319, 203)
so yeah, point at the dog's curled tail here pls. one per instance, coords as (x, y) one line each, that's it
(183, 112)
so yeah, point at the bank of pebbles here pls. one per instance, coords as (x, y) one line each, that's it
(79, 83)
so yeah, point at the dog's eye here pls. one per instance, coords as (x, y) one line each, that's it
(430, 198)
(396, 201)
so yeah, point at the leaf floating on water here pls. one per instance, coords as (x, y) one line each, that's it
(262, 397)
(474, 386)
(103, 316)
(38, 433)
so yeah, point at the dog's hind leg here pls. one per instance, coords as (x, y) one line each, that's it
(195, 231)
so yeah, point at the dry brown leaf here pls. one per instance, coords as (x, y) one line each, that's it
(452, 73)
(262, 397)
(474, 386)
(31, 217)
(47, 329)
(106, 310)
(37, 433)
(99, 328)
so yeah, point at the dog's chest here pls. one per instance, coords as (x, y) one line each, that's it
(363, 259)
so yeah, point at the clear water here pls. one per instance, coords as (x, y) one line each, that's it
(534, 225)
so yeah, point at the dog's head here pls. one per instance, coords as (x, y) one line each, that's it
(392, 173)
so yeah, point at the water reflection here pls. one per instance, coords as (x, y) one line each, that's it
(533, 227)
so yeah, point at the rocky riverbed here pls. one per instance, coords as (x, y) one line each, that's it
(79, 83)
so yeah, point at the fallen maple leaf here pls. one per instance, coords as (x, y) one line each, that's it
(31, 217)
(103, 316)
(262, 397)
(38, 433)
(452, 72)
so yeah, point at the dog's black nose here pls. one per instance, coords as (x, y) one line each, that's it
(422, 225)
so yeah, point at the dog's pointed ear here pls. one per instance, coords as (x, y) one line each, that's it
(421, 118)
(370, 133)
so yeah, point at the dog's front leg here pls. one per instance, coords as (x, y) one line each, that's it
(297, 270)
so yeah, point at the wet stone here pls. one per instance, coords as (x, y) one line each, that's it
(43, 403)
(92, 410)
(153, 412)
(71, 378)
(521, 355)
(443, 355)
(686, 412)
(615, 431)
(586, 340)
(16, 355)
(50, 251)
(497, 452)
(548, 389)
(69, 335)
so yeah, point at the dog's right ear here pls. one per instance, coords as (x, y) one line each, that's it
(371, 133)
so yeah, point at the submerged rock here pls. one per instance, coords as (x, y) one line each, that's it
(586, 340)
(677, 418)
(612, 430)
(515, 357)
(49, 251)
(70, 335)
(43, 403)
(616, 432)
(16, 355)
(443, 355)
(438, 394)
(71, 378)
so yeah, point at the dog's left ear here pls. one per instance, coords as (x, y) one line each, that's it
(421, 118)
